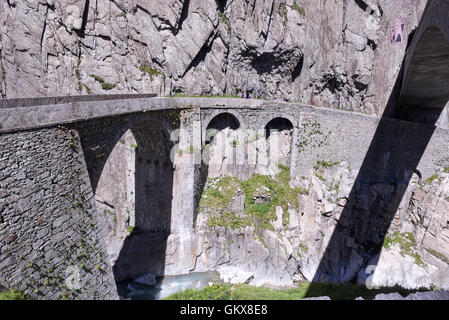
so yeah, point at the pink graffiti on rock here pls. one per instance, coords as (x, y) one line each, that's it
(397, 30)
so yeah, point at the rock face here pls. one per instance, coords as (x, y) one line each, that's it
(273, 230)
(345, 54)
(434, 295)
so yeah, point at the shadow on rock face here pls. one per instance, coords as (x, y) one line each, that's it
(392, 158)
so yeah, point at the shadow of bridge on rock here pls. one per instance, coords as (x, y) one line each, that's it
(389, 164)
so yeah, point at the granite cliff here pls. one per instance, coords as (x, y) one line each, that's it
(340, 54)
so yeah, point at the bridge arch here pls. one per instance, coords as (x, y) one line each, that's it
(131, 173)
(280, 123)
(425, 92)
(220, 120)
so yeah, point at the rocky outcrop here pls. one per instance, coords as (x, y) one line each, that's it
(422, 247)
(428, 295)
(339, 54)
(433, 295)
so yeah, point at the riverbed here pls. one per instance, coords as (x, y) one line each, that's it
(166, 286)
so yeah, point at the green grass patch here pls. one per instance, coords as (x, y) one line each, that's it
(107, 86)
(151, 72)
(88, 90)
(283, 12)
(263, 213)
(325, 164)
(189, 150)
(13, 294)
(302, 249)
(431, 179)
(225, 19)
(335, 187)
(319, 176)
(299, 9)
(97, 78)
(214, 292)
(228, 220)
(336, 291)
(285, 218)
(219, 193)
(406, 242)
(260, 238)
(104, 85)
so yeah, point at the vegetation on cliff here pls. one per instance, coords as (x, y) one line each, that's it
(262, 195)
(406, 242)
(13, 294)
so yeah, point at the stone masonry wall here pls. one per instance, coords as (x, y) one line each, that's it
(51, 242)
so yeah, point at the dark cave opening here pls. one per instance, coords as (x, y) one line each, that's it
(221, 5)
(298, 69)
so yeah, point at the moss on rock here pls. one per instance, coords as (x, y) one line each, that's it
(275, 192)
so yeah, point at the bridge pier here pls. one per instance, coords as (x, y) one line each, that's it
(186, 156)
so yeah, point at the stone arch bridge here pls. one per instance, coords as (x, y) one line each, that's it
(72, 168)
(126, 156)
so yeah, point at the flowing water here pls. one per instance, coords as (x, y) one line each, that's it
(166, 286)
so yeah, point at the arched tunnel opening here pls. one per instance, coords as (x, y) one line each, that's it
(278, 124)
(221, 140)
(218, 153)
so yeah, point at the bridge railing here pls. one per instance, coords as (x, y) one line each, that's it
(28, 102)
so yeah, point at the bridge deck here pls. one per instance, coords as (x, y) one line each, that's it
(30, 113)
